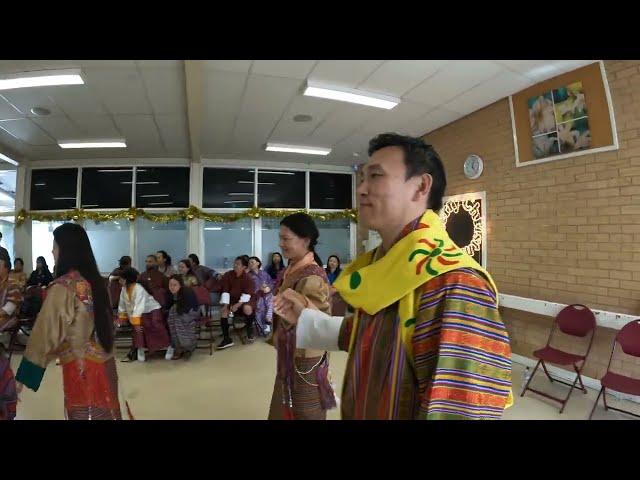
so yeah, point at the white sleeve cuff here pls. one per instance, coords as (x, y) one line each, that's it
(318, 331)
(225, 299)
(9, 308)
(245, 297)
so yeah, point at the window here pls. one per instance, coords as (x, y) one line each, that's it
(224, 242)
(7, 226)
(54, 189)
(7, 190)
(109, 241)
(228, 188)
(281, 189)
(106, 187)
(153, 236)
(330, 190)
(42, 242)
(270, 239)
(335, 239)
(162, 187)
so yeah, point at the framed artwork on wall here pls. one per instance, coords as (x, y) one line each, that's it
(563, 117)
(464, 217)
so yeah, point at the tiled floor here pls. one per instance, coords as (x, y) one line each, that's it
(237, 384)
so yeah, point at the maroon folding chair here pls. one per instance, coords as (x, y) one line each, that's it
(629, 340)
(205, 322)
(576, 321)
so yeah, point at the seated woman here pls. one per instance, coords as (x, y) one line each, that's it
(237, 290)
(275, 266)
(145, 315)
(41, 276)
(18, 273)
(264, 297)
(186, 272)
(338, 305)
(183, 314)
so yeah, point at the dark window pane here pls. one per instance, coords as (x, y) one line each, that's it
(162, 187)
(227, 188)
(330, 190)
(281, 189)
(106, 187)
(54, 189)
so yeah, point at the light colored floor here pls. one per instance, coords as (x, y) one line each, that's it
(236, 384)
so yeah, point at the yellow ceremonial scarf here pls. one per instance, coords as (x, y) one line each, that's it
(373, 284)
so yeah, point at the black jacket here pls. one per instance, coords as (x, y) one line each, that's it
(40, 279)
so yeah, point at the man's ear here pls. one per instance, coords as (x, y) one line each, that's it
(424, 187)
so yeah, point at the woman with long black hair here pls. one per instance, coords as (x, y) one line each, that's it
(183, 315)
(302, 388)
(41, 276)
(75, 325)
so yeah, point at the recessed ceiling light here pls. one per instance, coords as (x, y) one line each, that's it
(45, 78)
(281, 147)
(356, 154)
(302, 118)
(314, 89)
(8, 160)
(92, 144)
(40, 111)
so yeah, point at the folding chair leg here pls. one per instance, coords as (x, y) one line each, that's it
(546, 371)
(12, 341)
(530, 378)
(596, 403)
(573, 385)
(584, 390)
(604, 399)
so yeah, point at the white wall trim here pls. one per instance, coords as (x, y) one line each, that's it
(551, 309)
(566, 375)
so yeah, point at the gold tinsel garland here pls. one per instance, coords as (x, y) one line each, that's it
(187, 214)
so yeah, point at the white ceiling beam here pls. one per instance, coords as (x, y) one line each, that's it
(194, 84)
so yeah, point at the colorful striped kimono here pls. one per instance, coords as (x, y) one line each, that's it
(264, 301)
(442, 354)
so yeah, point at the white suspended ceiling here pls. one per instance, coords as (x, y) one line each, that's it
(245, 103)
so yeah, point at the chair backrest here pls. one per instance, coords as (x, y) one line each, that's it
(576, 320)
(202, 295)
(629, 338)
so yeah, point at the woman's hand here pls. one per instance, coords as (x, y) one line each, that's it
(289, 305)
(19, 387)
(266, 289)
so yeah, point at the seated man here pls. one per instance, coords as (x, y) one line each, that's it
(236, 298)
(10, 295)
(153, 280)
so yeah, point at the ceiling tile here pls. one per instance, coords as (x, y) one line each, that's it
(396, 77)
(96, 126)
(486, 93)
(395, 119)
(120, 89)
(347, 73)
(238, 66)
(140, 131)
(26, 131)
(174, 132)
(290, 131)
(458, 77)
(24, 99)
(268, 96)
(60, 128)
(431, 121)
(168, 64)
(341, 123)
(166, 89)
(7, 111)
(283, 68)
(75, 99)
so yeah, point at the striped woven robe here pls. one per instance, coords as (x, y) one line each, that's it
(462, 357)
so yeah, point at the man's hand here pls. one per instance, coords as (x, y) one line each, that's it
(289, 305)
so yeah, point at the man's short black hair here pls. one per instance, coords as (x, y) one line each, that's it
(194, 259)
(7, 261)
(420, 158)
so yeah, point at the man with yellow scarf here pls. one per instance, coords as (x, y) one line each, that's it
(427, 340)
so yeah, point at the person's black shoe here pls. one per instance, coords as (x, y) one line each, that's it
(225, 343)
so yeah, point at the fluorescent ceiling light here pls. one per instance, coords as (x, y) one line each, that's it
(155, 195)
(162, 203)
(64, 198)
(213, 228)
(45, 78)
(91, 206)
(8, 160)
(140, 183)
(40, 184)
(238, 201)
(240, 194)
(276, 173)
(350, 95)
(92, 144)
(116, 171)
(281, 147)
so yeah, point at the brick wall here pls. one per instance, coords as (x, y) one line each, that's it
(566, 231)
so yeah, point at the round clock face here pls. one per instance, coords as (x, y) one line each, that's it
(473, 167)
